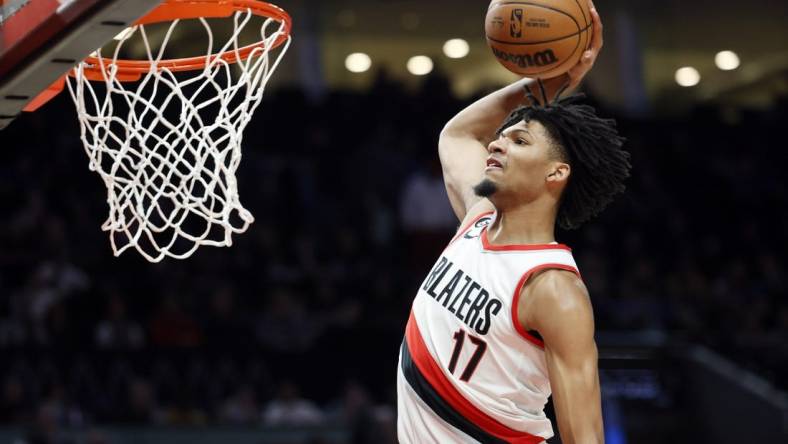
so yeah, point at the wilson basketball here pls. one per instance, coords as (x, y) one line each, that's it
(538, 38)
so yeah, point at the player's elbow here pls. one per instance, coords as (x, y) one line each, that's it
(448, 147)
(455, 129)
(448, 132)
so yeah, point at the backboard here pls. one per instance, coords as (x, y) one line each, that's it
(40, 40)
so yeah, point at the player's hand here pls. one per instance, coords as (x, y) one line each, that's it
(576, 74)
(586, 62)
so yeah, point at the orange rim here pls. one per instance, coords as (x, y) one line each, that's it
(170, 10)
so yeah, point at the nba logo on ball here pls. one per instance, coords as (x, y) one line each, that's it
(516, 26)
(558, 32)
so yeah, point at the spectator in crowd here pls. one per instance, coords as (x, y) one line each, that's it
(14, 405)
(116, 331)
(426, 215)
(223, 323)
(172, 326)
(141, 407)
(288, 408)
(285, 324)
(368, 422)
(241, 407)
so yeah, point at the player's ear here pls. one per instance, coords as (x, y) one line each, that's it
(559, 172)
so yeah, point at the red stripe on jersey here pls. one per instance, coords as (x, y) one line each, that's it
(518, 291)
(488, 246)
(432, 372)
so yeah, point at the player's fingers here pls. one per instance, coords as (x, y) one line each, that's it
(577, 73)
(589, 56)
(597, 40)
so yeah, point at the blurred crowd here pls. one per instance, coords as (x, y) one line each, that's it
(299, 322)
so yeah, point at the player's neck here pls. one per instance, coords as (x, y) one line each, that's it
(523, 225)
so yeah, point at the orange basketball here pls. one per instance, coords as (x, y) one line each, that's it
(538, 38)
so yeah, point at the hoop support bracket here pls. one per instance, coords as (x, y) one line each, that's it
(170, 10)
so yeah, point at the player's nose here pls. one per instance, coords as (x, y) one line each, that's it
(496, 147)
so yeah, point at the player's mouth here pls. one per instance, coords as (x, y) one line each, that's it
(493, 164)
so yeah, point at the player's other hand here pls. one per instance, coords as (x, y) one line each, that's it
(576, 74)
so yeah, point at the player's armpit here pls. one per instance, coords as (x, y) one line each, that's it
(557, 305)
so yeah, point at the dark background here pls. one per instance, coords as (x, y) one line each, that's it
(305, 312)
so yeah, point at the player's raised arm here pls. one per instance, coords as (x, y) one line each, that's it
(463, 144)
(464, 140)
(557, 305)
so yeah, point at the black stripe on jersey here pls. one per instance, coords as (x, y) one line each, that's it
(437, 404)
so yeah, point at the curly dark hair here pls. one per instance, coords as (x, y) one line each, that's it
(589, 144)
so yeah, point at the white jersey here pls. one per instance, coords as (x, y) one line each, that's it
(468, 371)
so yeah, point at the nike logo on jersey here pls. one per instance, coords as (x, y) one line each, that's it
(462, 296)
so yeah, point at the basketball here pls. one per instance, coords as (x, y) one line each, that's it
(538, 38)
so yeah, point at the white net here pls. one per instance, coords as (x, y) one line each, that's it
(168, 145)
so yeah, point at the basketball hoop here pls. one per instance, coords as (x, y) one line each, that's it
(167, 145)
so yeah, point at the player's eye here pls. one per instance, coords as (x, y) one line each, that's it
(520, 141)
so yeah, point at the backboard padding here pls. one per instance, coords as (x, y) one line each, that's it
(42, 39)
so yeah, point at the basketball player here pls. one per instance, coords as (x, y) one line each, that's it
(504, 320)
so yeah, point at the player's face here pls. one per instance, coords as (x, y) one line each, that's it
(522, 164)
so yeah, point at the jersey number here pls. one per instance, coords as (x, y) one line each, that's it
(459, 340)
